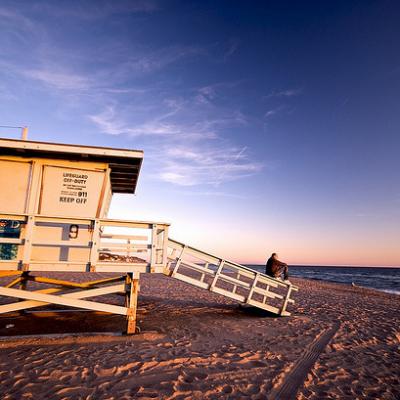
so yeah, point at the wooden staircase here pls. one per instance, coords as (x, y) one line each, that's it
(227, 278)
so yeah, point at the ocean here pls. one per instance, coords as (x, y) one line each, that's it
(379, 278)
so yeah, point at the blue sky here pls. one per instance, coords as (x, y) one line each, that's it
(266, 126)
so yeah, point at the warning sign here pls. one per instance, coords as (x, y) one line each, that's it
(71, 192)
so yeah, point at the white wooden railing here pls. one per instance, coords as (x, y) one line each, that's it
(227, 278)
(54, 243)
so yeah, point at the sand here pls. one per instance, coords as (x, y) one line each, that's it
(340, 343)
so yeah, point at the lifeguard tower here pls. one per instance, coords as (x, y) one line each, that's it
(54, 200)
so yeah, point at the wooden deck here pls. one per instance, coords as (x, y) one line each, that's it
(129, 248)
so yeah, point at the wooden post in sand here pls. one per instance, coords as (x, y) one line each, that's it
(132, 289)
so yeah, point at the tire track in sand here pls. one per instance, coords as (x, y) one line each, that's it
(296, 377)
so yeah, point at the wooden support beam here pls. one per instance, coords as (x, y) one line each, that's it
(132, 289)
(24, 305)
(14, 282)
(4, 274)
(52, 281)
(71, 299)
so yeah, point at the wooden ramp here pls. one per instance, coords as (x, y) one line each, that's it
(227, 278)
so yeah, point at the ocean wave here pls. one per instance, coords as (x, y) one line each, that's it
(390, 291)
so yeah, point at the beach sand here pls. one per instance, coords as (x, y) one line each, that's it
(340, 343)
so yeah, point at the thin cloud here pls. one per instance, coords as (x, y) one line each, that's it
(151, 61)
(286, 93)
(273, 112)
(215, 194)
(18, 20)
(233, 46)
(58, 80)
(108, 121)
(191, 166)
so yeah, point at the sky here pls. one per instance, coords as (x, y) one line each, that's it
(266, 126)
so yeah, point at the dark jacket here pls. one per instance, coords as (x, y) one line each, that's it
(274, 267)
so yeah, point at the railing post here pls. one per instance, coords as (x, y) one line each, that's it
(153, 252)
(94, 253)
(217, 273)
(178, 261)
(287, 297)
(165, 247)
(30, 225)
(253, 286)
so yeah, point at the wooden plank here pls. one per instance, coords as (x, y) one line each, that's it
(268, 293)
(246, 273)
(62, 243)
(28, 241)
(14, 282)
(123, 268)
(253, 287)
(197, 267)
(23, 305)
(217, 273)
(165, 246)
(266, 280)
(128, 237)
(63, 300)
(9, 265)
(153, 255)
(13, 216)
(26, 304)
(52, 281)
(101, 291)
(226, 293)
(178, 261)
(192, 281)
(9, 273)
(57, 267)
(122, 246)
(131, 303)
(234, 281)
(11, 241)
(287, 297)
(84, 220)
(95, 238)
(68, 149)
(101, 281)
(264, 306)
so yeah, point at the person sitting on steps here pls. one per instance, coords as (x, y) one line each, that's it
(276, 268)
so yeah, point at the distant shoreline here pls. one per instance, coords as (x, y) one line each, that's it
(382, 279)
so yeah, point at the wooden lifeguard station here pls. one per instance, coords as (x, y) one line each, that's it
(54, 200)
